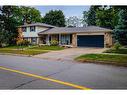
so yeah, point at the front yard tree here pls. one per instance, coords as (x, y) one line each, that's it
(91, 15)
(120, 31)
(104, 17)
(29, 15)
(8, 24)
(55, 18)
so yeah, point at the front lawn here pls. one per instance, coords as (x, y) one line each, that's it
(48, 48)
(119, 51)
(32, 50)
(14, 47)
(119, 60)
(25, 52)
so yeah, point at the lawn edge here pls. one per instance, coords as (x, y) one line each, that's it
(100, 62)
(16, 54)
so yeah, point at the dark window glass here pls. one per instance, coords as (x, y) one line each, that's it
(34, 40)
(32, 28)
(24, 29)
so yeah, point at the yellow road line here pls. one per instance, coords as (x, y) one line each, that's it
(46, 78)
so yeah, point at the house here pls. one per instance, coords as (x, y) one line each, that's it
(90, 36)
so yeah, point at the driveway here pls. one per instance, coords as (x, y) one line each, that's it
(68, 54)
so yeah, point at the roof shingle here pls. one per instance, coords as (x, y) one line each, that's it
(37, 24)
(57, 30)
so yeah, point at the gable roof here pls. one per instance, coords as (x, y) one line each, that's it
(68, 30)
(38, 24)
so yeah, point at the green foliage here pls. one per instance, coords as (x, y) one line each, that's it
(120, 31)
(8, 25)
(23, 43)
(29, 15)
(13, 16)
(117, 46)
(55, 18)
(104, 17)
(54, 42)
(90, 16)
(119, 51)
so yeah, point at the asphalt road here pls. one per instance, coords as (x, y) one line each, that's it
(93, 76)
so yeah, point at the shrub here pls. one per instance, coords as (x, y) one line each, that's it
(26, 42)
(117, 46)
(23, 43)
(54, 42)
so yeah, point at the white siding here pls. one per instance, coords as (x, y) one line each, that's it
(33, 34)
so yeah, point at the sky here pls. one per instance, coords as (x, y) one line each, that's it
(67, 10)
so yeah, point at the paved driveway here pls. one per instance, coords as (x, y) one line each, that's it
(69, 54)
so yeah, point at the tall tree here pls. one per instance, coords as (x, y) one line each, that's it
(13, 16)
(29, 15)
(8, 24)
(91, 15)
(104, 17)
(85, 18)
(120, 31)
(73, 21)
(55, 18)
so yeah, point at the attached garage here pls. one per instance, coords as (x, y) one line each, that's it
(90, 36)
(90, 40)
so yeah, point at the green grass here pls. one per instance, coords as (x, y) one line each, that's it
(32, 50)
(25, 52)
(119, 51)
(48, 48)
(119, 60)
(14, 47)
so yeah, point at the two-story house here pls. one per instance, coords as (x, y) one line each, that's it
(90, 36)
(30, 31)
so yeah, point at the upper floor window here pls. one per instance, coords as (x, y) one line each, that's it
(32, 28)
(24, 29)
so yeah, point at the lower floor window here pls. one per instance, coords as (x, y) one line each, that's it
(34, 40)
(65, 39)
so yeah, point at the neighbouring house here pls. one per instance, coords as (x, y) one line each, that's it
(90, 36)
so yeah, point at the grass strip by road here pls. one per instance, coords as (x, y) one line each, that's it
(46, 78)
(119, 51)
(118, 60)
(32, 50)
(24, 52)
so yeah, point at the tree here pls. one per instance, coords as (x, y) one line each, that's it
(73, 21)
(26, 15)
(104, 17)
(13, 16)
(120, 31)
(30, 15)
(8, 27)
(91, 15)
(85, 18)
(55, 18)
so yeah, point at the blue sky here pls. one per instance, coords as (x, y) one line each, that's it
(67, 10)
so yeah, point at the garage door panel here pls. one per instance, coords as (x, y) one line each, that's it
(90, 40)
